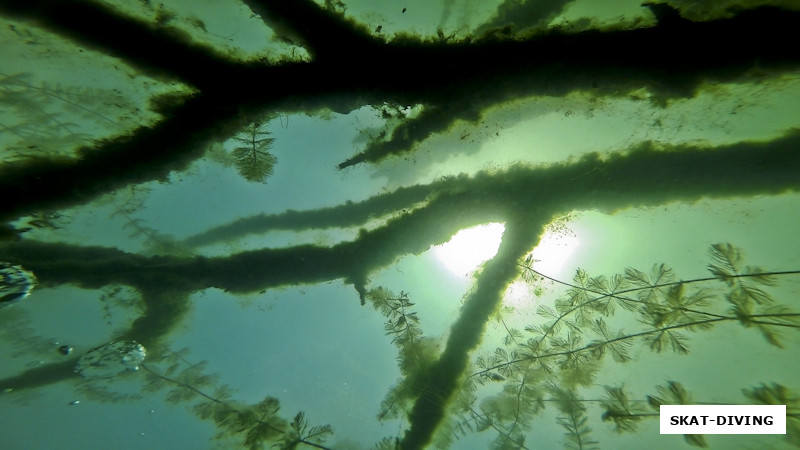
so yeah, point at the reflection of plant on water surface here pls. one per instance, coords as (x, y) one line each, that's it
(450, 390)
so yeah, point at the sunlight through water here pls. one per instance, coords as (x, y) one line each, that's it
(553, 251)
(469, 248)
(549, 258)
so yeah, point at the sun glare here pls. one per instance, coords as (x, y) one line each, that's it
(468, 248)
(549, 258)
(553, 251)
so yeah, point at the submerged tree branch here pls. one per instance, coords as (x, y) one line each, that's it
(467, 332)
(664, 58)
(156, 51)
(642, 176)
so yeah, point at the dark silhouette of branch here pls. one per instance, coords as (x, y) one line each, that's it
(161, 52)
(644, 175)
(323, 32)
(671, 59)
(402, 200)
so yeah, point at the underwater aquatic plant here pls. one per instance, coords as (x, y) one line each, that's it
(254, 424)
(563, 353)
(252, 158)
(565, 350)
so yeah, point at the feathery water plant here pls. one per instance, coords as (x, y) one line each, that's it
(252, 157)
(255, 424)
(565, 351)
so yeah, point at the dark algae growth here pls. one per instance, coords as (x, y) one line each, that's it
(434, 151)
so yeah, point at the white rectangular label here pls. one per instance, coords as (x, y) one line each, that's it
(723, 419)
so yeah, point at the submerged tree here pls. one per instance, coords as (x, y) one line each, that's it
(325, 60)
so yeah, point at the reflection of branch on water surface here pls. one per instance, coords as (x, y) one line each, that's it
(644, 175)
(488, 70)
(524, 195)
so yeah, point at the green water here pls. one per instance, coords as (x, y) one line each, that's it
(378, 225)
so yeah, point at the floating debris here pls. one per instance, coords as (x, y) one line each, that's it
(16, 283)
(111, 359)
(65, 350)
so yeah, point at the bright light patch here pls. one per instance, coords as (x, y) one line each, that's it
(518, 295)
(553, 252)
(469, 248)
